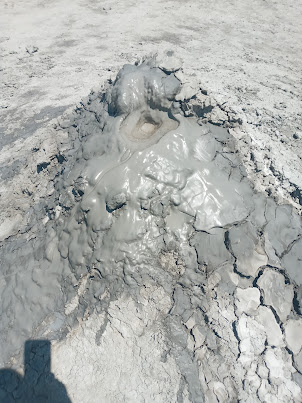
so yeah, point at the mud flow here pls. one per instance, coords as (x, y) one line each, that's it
(155, 233)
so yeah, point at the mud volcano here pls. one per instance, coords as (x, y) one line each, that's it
(180, 281)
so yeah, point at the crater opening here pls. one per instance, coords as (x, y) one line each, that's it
(146, 127)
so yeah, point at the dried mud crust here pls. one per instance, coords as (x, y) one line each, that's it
(175, 220)
(277, 177)
(226, 263)
(248, 57)
(251, 73)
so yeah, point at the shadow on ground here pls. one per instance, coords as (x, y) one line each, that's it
(38, 385)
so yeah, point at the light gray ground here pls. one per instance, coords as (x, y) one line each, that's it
(246, 55)
(198, 305)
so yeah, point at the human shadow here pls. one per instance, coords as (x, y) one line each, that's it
(38, 385)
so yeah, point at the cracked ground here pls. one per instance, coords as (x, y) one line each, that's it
(155, 243)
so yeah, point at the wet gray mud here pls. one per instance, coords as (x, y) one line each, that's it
(148, 197)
